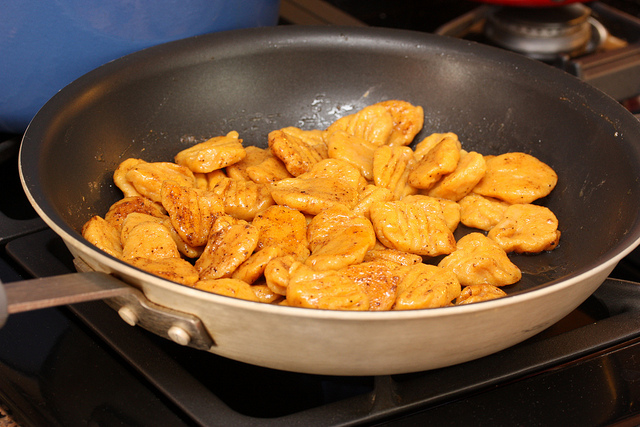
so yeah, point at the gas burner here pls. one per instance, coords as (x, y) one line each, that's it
(598, 44)
(545, 33)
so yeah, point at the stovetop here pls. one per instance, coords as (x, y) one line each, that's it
(82, 365)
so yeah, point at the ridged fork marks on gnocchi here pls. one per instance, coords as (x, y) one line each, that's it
(351, 217)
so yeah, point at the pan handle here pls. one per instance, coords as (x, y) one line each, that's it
(129, 302)
(34, 294)
(59, 290)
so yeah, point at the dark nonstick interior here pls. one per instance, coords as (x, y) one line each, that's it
(156, 102)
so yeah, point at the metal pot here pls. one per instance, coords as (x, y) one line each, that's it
(257, 80)
(46, 45)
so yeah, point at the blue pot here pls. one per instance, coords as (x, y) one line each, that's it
(46, 44)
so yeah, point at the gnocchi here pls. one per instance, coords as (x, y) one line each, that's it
(351, 217)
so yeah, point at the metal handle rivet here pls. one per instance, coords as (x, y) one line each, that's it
(128, 315)
(179, 335)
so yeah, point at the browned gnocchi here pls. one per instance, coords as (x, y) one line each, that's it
(357, 216)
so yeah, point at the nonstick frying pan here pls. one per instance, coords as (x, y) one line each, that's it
(153, 103)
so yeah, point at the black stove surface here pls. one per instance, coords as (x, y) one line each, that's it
(82, 365)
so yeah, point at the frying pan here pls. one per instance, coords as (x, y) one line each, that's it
(155, 102)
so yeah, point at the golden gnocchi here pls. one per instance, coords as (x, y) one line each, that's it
(351, 217)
